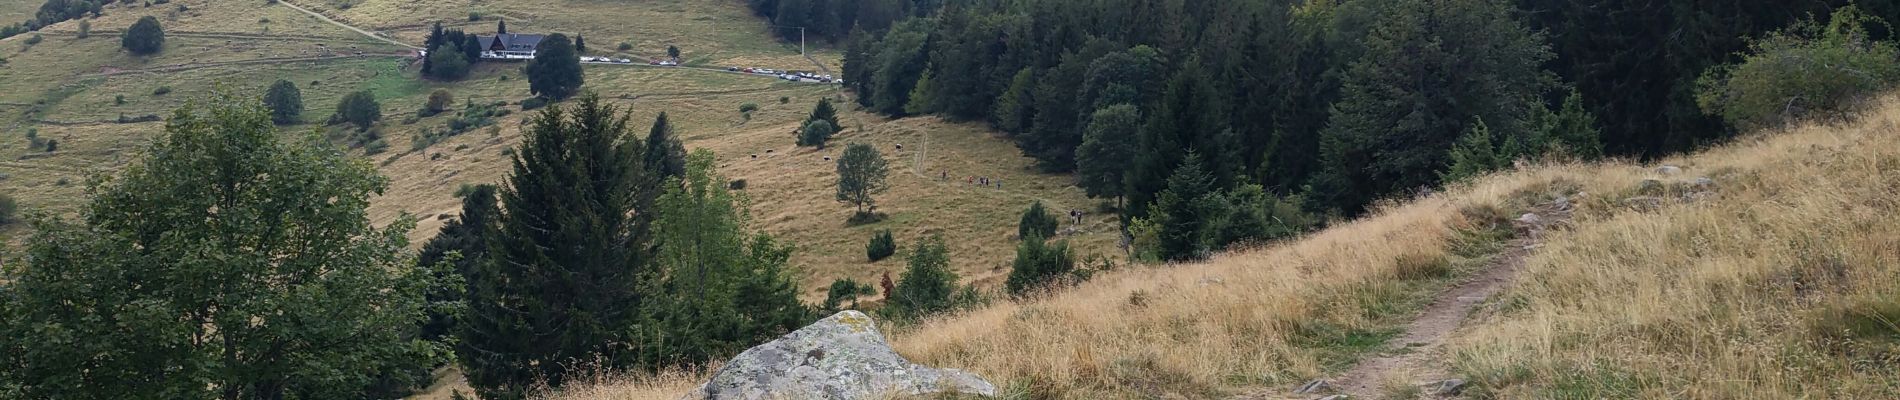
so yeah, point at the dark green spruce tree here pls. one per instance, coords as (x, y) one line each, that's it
(555, 73)
(561, 283)
(465, 240)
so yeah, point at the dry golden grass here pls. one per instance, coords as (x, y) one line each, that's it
(1784, 285)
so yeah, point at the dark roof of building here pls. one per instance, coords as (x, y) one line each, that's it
(511, 41)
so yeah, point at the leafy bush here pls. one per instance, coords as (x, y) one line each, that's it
(882, 246)
(161, 90)
(748, 107)
(1804, 71)
(118, 100)
(449, 63)
(52, 145)
(784, 99)
(33, 40)
(736, 184)
(624, 46)
(85, 29)
(439, 101)
(359, 108)
(815, 133)
(474, 16)
(375, 147)
(142, 118)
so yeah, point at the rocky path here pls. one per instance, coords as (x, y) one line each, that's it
(1417, 357)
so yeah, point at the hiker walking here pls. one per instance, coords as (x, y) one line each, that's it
(1075, 216)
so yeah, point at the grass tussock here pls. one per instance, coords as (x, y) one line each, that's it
(1782, 284)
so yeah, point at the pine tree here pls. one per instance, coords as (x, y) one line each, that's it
(927, 285)
(1474, 154)
(555, 72)
(1015, 109)
(1186, 212)
(285, 102)
(1428, 69)
(501, 27)
(824, 111)
(665, 155)
(431, 44)
(1036, 223)
(881, 246)
(1038, 264)
(467, 237)
(448, 63)
(471, 47)
(562, 284)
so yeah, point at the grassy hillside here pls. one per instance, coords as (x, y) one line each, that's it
(1778, 281)
(69, 89)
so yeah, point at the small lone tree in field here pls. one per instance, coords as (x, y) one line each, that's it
(882, 246)
(860, 175)
(285, 102)
(824, 111)
(439, 101)
(1036, 223)
(144, 37)
(673, 51)
(359, 108)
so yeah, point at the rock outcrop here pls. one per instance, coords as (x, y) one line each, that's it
(840, 357)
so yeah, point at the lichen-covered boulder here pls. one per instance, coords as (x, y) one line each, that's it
(840, 357)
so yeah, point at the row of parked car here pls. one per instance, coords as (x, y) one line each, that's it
(795, 76)
(606, 60)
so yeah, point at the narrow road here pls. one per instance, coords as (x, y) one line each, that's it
(327, 19)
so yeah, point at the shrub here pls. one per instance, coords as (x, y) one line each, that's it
(33, 40)
(815, 133)
(736, 184)
(1036, 223)
(359, 108)
(784, 99)
(1039, 264)
(474, 15)
(748, 107)
(846, 290)
(144, 37)
(533, 103)
(85, 29)
(8, 207)
(118, 100)
(161, 90)
(624, 46)
(439, 101)
(375, 147)
(882, 246)
(32, 133)
(672, 52)
(1810, 69)
(52, 145)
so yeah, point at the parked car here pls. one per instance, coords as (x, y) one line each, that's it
(624, 61)
(732, 69)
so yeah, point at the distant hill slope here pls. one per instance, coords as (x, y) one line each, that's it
(1774, 278)
(76, 90)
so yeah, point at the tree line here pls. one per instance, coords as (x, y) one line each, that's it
(1308, 108)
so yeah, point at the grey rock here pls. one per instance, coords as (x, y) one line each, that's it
(840, 357)
(1561, 202)
(1530, 219)
(1669, 170)
(1448, 387)
(1314, 386)
(1704, 183)
(1335, 397)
